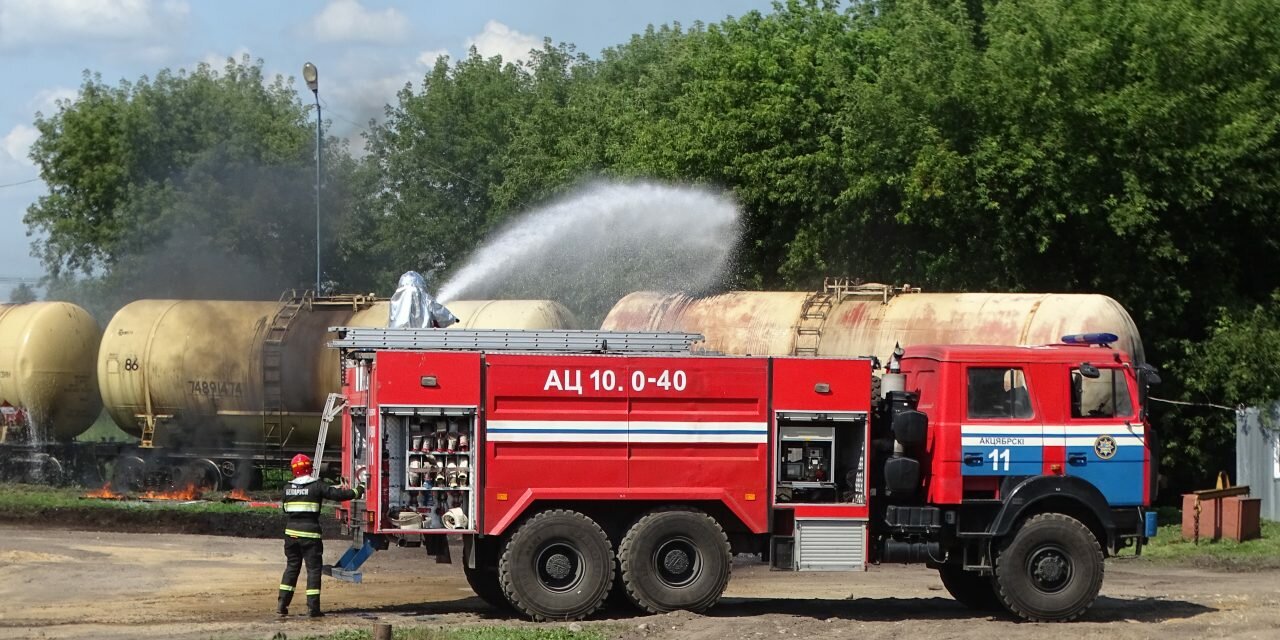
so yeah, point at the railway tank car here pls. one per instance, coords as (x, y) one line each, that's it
(221, 386)
(48, 391)
(848, 320)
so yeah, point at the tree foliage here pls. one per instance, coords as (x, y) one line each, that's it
(192, 183)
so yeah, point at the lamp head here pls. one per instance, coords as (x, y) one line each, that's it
(312, 76)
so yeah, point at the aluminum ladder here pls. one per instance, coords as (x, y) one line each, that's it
(368, 339)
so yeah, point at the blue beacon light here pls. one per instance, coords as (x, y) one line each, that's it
(1091, 338)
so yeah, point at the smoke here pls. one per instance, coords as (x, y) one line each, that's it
(222, 229)
(593, 247)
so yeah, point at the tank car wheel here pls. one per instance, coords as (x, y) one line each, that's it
(128, 473)
(46, 469)
(558, 565)
(978, 592)
(203, 474)
(675, 559)
(1050, 570)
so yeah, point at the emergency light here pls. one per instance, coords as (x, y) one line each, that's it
(1104, 339)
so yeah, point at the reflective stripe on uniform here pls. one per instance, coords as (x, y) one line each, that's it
(305, 507)
(300, 534)
(285, 587)
(313, 592)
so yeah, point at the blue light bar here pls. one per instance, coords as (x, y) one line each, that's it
(1091, 338)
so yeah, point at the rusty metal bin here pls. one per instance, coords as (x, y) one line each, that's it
(1241, 518)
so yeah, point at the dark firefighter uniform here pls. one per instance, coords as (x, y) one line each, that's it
(302, 499)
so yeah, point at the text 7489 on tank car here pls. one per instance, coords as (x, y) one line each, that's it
(573, 461)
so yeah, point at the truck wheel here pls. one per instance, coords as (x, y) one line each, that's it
(1051, 570)
(969, 588)
(675, 559)
(558, 566)
(484, 581)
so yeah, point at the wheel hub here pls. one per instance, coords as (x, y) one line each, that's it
(677, 562)
(559, 566)
(1050, 569)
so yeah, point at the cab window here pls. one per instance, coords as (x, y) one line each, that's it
(998, 392)
(1106, 396)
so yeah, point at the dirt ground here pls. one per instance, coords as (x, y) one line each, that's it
(81, 584)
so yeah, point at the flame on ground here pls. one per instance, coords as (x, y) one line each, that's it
(190, 492)
(239, 494)
(104, 493)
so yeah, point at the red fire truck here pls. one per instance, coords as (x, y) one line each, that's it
(576, 463)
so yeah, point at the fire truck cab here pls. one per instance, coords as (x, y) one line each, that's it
(577, 463)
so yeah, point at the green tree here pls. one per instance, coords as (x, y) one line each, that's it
(191, 184)
(22, 293)
(432, 165)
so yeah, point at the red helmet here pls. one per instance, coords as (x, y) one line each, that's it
(301, 465)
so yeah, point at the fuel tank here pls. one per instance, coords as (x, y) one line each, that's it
(211, 372)
(47, 372)
(871, 319)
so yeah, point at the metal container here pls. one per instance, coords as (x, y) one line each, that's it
(47, 374)
(212, 373)
(871, 319)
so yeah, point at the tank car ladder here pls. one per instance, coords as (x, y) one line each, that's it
(813, 316)
(291, 304)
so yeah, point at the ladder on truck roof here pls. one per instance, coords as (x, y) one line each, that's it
(358, 339)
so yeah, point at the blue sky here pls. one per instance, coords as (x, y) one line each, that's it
(365, 51)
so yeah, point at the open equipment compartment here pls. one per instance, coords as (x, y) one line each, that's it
(821, 458)
(430, 469)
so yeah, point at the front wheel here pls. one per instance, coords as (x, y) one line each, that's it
(1051, 570)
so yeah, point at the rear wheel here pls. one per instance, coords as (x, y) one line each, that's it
(975, 591)
(675, 559)
(557, 566)
(1051, 570)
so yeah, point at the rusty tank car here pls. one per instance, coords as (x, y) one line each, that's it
(868, 320)
(219, 386)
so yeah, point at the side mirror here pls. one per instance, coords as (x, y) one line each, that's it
(1089, 371)
(1149, 374)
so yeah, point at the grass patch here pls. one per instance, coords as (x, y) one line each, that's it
(473, 633)
(24, 498)
(1260, 554)
(64, 508)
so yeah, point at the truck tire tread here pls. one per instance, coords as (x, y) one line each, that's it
(508, 576)
(1006, 581)
(635, 593)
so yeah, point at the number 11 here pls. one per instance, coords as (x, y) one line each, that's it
(997, 456)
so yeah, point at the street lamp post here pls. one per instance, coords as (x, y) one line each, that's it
(312, 76)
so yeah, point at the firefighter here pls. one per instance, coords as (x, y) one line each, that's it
(302, 498)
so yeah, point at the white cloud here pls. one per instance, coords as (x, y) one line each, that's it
(18, 142)
(218, 61)
(46, 100)
(55, 22)
(428, 58)
(348, 21)
(498, 39)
